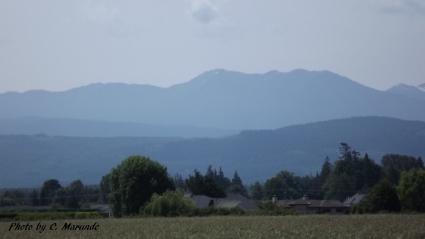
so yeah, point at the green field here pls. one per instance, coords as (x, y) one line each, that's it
(306, 226)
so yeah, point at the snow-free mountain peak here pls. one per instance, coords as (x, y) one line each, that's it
(220, 99)
(414, 92)
(422, 87)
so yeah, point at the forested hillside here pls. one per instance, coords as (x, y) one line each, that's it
(257, 155)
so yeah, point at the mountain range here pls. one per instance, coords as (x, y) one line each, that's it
(27, 161)
(257, 124)
(414, 92)
(218, 99)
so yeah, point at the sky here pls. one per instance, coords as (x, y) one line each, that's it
(58, 45)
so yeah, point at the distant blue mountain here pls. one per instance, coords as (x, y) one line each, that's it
(219, 99)
(414, 92)
(96, 128)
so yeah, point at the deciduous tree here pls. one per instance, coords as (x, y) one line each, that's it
(75, 192)
(48, 191)
(104, 188)
(412, 190)
(134, 181)
(382, 197)
(394, 164)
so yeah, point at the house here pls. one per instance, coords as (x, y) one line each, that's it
(231, 201)
(354, 200)
(102, 208)
(312, 206)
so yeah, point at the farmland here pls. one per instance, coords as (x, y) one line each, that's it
(304, 226)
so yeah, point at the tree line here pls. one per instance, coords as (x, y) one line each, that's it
(129, 186)
(399, 178)
(74, 196)
(348, 175)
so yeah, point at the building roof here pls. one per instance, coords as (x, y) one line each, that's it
(202, 201)
(311, 203)
(229, 204)
(354, 200)
(101, 208)
(245, 202)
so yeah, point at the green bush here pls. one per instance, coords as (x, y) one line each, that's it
(170, 203)
(211, 211)
(82, 215)
(272, 209)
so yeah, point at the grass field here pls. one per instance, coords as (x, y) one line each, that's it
(308, 226)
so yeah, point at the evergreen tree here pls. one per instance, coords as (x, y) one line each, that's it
(211, 189)
(236, 180)
(371, 172)
(179, 182)
(345, 152)
(310, 186)
(351, 174)
(204, 185)
(196, 183)
(210, 172)
(222, 181)
(420, 163)
(355, 155)
(326, 170)
(237, 186)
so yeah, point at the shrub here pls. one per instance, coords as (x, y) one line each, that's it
(272, 209)
(383, 197)
(82, 215)
(170, 203)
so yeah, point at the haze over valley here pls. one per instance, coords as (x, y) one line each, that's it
(219, 99)
(213, 113)
(257, 124)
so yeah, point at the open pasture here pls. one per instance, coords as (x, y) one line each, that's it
(304, 226)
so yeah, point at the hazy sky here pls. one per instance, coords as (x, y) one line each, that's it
(61, 44)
